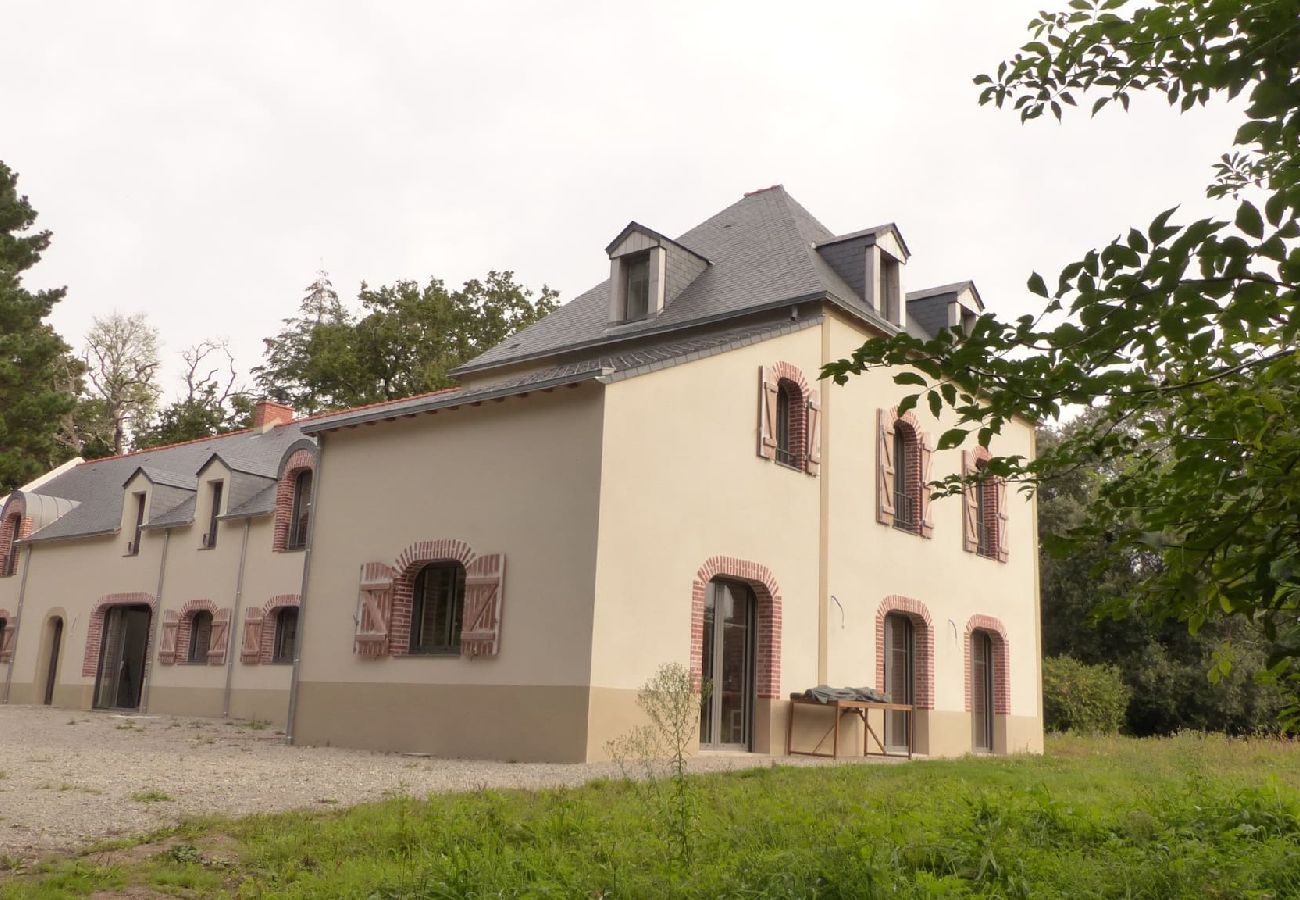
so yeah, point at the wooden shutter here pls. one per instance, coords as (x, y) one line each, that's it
(167, 645)
(885, 467)
(1000, 491)
(813, 459)
(7, 635)
(481, 629)
(927, 455)
(375, 606)
(251, 652)
(220, 639)
(767, 395)
(970, 525)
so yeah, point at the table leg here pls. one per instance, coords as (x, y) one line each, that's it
(789, 729)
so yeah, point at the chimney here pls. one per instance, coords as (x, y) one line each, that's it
(267, 414)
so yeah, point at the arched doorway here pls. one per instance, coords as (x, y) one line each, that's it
(982, 691)
(123, 652)
(54, 644)
(727, 666)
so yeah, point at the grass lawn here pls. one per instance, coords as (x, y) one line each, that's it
(1191, 816)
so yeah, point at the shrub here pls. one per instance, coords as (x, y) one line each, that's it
(1083, 698)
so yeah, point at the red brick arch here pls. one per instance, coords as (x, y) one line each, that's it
(185, 625)
(272, 608)
(95, 631)
(408, 565)
(1001, 661)
(15, 525)
(789, 372)
(298, 461)
(923, 647)
(767, 668)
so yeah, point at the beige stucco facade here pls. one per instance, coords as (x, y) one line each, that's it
(606, 501)
(588, 504)
(176, 570)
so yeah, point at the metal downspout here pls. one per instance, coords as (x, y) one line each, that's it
(154, 624)
(823, 517)
(302, 595)
(231, 630)
(18, 619)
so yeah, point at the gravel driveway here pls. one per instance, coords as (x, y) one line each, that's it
(68, 778)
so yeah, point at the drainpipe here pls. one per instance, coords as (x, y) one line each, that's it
(18, 619)
(153, 624)
(234, 621)
(302, 595)
(823, 517)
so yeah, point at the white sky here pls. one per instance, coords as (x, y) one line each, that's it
(199, 161)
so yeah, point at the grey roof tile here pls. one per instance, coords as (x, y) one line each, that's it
(763, 254)
(96, 486)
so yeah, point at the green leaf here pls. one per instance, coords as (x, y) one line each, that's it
(936, 404)
(953, 437)
(1249, 220)
(1037, 285)
(910, 378)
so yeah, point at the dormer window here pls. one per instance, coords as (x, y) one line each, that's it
(646, 273)
(133, 548)
(636, 274)
(210, 538)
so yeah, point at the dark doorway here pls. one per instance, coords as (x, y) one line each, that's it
(122, 655)
(52, 671)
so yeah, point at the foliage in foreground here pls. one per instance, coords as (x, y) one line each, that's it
(1185, 334)
(1098, 817)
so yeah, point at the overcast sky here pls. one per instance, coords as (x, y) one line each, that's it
(200, 161)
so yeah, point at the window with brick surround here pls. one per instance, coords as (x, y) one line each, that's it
(788, 449)
(10, 532)
(301, 514)
(984, 525)
(293, 498)
(903, 458)
(286, 634)
(437, 609)
(789, 419)
(200, 638)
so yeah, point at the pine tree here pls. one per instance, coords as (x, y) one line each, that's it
(34, 365)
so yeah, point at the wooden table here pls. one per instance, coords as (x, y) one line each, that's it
(859, 708)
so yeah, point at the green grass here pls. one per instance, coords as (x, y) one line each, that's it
(1192, 816)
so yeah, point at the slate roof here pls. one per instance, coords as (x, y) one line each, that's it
(763, 255)
(605, 367)
(97, 486)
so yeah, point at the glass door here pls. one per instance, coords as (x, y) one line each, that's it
(122, 657)
(727, 667)
(981, 691)
(898, 678)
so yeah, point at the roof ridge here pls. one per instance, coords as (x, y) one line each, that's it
(191, 441)
(377, 403)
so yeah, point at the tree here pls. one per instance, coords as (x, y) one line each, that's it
(406, 341)
(311, 364)
(1183, 333)
(1163, 665)
(213, 402)
(121, 359)
(33, 398)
